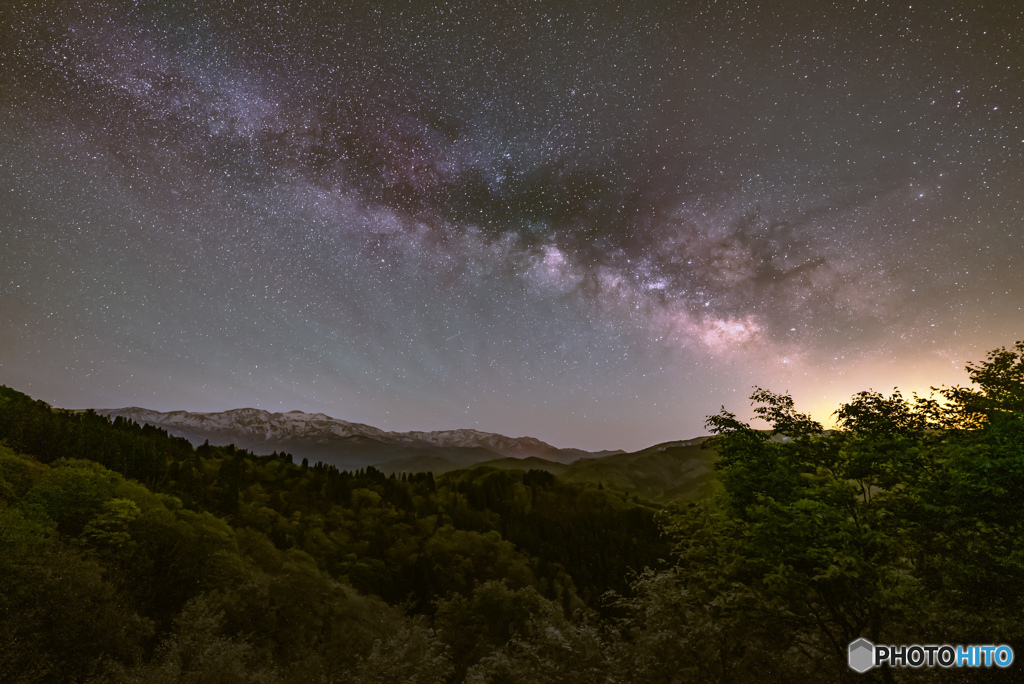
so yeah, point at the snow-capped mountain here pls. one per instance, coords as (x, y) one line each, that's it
(320, 437)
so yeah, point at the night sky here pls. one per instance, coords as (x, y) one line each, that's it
(593, 223)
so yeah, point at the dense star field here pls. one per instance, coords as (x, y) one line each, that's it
(591, 223)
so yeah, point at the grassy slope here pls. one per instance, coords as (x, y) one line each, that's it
(665, 472)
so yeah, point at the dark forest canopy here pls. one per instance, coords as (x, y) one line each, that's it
(130, 556)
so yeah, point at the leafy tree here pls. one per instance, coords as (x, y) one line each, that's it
(901, 526)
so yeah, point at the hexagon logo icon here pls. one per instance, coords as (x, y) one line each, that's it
(862, 655)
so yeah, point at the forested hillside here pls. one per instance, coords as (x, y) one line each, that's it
(166, 532)
(130, 556)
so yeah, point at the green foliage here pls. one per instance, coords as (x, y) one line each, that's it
(498, 634)
(197, 650)
(110, 529)
(1000, 381)
(61, 617)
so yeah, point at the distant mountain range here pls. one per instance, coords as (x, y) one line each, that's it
(344, 444)
(664, 472)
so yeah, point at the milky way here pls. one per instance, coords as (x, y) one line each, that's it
(593, 224)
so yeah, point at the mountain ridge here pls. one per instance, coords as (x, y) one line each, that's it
(317, 436)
